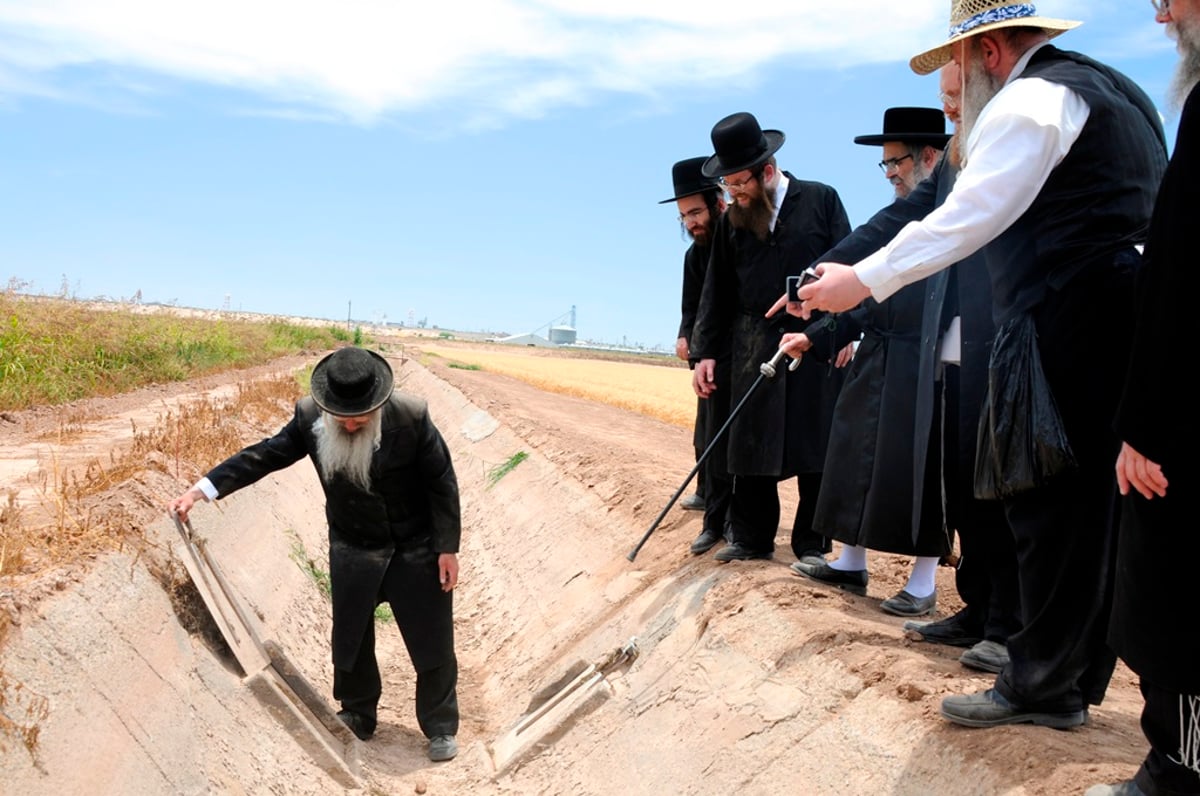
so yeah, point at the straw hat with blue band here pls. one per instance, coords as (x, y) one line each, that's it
(972, 17)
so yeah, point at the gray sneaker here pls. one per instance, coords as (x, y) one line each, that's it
(442, 747)
(986, 656)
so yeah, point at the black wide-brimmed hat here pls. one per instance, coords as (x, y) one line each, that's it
(351, 382)
(688, 181)
(740, 144)
(910, 126)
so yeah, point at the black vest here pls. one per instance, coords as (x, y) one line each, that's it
(1097, 202)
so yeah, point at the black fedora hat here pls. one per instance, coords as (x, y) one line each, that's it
(740, 144)
(910, 126)
(351, 382)
(688, 181)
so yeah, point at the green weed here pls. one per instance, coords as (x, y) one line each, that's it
(500, 470)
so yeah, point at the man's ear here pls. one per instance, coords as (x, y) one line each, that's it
(991, 51)
(929, 157)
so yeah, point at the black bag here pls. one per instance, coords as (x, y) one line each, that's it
(1022, 442)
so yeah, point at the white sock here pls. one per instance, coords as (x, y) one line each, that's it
(852, 559)
(921, 582)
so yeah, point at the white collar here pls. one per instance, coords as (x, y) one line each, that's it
(780, 192)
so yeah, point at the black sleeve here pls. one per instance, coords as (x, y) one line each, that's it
(441, 486)
(714, 314)
(693, 284)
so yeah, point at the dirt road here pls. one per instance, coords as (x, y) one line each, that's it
(748, 678)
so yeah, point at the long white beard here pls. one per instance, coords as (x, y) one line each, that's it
(339, 451)
(1187, 73)
(979, 86)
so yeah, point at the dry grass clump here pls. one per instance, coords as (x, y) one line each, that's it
(653, 390)
(21, 714)
(82, 520)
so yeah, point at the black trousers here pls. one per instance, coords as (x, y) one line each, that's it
(1166, 771)
(754, 514)
(700, 432)
(986, 576)
(1065, 532)
(718, 484)
(425, 616)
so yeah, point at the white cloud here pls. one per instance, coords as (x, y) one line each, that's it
(489, 59)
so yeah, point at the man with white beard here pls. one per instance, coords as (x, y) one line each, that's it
(1058, 219)
(1153, 629)
(391, 501)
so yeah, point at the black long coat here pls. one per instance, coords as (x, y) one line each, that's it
(967, 290)
(711, 412)
(783, 429)
(1155, 627)
(879, 492)
(413, 504)
(866, 495)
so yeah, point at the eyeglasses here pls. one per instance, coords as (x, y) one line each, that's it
(893, 163)
(1161, 7)
(741, 184)
(947, 100)
(692, 215)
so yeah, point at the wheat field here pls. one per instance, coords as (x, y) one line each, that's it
(662, 391)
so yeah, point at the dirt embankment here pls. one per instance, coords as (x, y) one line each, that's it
(748, 678)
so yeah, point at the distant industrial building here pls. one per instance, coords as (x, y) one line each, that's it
(560, 334)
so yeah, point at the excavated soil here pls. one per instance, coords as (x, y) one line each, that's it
(748, 679)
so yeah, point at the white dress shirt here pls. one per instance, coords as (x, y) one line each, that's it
(780, 192)
(1019, 138)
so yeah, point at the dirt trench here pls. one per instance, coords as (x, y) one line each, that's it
(747, 678)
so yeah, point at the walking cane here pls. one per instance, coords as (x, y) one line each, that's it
(766, 370)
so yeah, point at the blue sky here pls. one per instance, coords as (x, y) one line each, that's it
(484, 165)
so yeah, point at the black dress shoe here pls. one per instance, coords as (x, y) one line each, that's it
(692, 503)
(904, 604)
(852, 580)
(989, 709)
(736, 552)
(954, 631)
(986, 656)
(706, 541)
(362, 726)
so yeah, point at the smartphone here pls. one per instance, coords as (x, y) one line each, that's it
(794, 283)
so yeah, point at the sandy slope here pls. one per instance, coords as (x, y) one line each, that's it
(748, 678)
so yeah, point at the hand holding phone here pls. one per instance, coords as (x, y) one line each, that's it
(794, 283)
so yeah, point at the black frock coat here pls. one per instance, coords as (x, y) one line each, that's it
(783, 429)
(412, 507)
(1156, 627)
(965, 287)
(867, 496)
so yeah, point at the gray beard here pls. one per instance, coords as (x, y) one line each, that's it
(978, 89)
(339, 451)
(1187, 73)
(755, 217)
